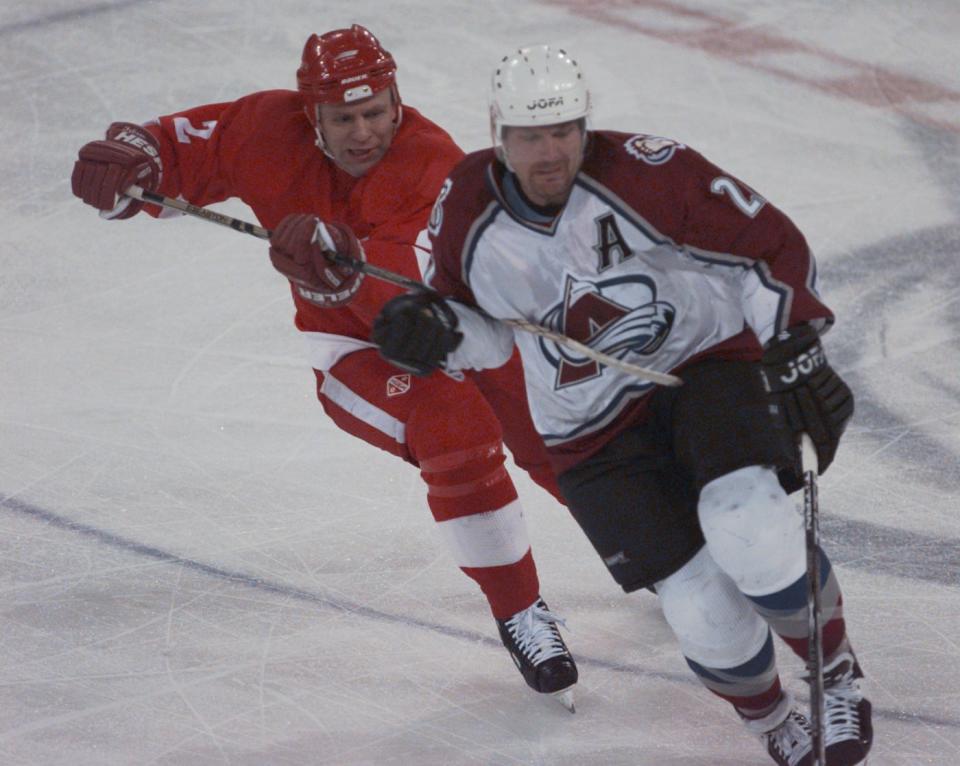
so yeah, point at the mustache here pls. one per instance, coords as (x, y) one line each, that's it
(547, 166)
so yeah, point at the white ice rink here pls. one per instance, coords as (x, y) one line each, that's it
(197, 568)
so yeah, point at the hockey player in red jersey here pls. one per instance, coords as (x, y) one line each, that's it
(341, 165)
(639, 247)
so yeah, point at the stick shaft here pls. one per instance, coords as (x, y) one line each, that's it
(664, 379)
(811, 519)
(199, 212)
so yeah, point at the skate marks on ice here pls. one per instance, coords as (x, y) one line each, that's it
(145, 550)
(898, 346)
(879, 549)
(883, 545)
(70, 16)
(761, 48)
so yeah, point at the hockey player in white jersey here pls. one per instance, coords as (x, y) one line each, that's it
(639, 247)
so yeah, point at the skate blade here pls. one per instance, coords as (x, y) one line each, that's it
(565, 697)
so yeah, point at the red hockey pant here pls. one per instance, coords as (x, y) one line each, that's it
(454, 432)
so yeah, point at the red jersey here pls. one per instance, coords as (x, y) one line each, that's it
(261, 149)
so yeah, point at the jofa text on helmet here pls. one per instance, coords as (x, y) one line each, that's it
(545, 103)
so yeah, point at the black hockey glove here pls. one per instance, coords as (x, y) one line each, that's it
(416, 331)
(811, 396)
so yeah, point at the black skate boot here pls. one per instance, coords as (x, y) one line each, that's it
(533, 640)
(785, 733)
(848, 730)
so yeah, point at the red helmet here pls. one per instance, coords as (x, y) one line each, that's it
(342, 66)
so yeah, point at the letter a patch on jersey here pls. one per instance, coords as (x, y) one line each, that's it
(609, 242)
(398, 384)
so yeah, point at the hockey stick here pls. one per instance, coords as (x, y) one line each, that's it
(811, 522)
(662, 378)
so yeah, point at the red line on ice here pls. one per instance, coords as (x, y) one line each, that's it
(727, 38)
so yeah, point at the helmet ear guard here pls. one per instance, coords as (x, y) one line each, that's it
(534, 86)
(344, 66)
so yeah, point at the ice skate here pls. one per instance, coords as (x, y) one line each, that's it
(785, 733)
(848, 728)
(533, 640)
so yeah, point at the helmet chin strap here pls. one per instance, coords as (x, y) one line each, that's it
(319, 142)
(395, 94)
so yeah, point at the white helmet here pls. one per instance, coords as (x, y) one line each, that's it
(537, 85)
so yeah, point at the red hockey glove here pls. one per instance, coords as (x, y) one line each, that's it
(812, 398)
(416, 331)
(105, 169)
(299, 249)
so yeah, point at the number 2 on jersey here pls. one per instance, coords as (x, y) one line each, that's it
(185, 129)
(749, 207)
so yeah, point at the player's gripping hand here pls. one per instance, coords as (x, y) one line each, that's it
(416, 331)
(105, 169)
(301, 248)
(812, 397)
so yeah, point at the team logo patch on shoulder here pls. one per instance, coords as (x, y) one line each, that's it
(654, 150)
(398, 384)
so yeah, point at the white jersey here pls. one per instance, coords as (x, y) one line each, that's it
(659, 259)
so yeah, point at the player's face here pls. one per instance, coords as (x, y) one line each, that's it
(358, 135)
(546, 159)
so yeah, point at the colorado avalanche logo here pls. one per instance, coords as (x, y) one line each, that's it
(617, 316)
(654, 150)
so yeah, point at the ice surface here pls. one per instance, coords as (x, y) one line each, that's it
(196, 567)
